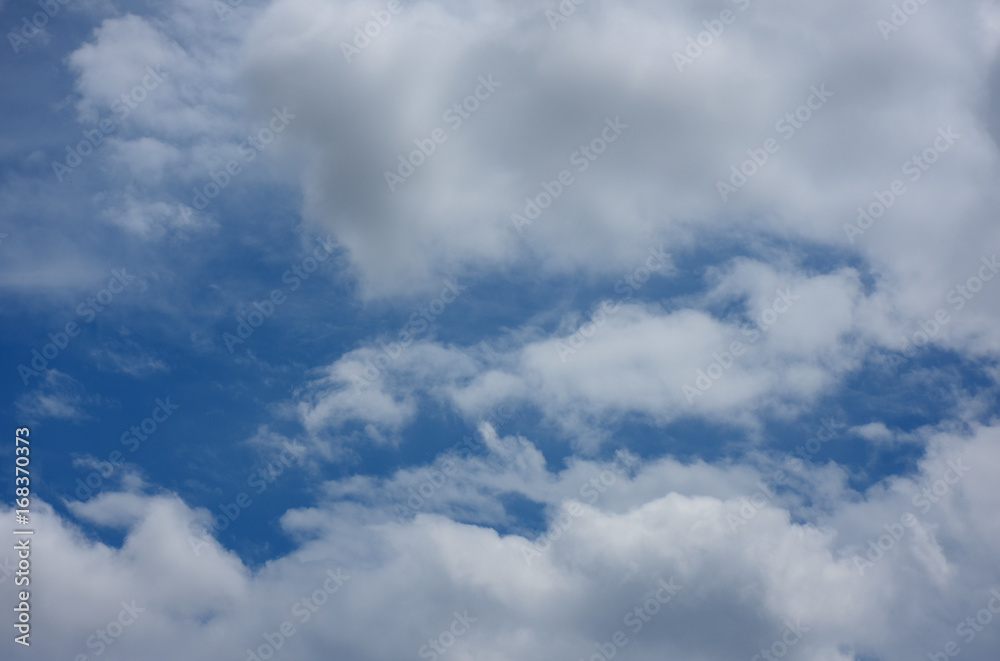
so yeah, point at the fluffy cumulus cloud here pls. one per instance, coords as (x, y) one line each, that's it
(848, 109)
(361, 387)
(801, 197)
(532, 163)
(686, 560)
(788, 338)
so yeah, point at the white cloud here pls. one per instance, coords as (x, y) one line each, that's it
(147, 159)
(57, 396)
(579, 589)
(876, 432)
(155, 220)
(685, 130)
(128, 357)
(655, 184)
(787, 337)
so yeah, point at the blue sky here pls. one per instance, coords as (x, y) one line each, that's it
(548, 368)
